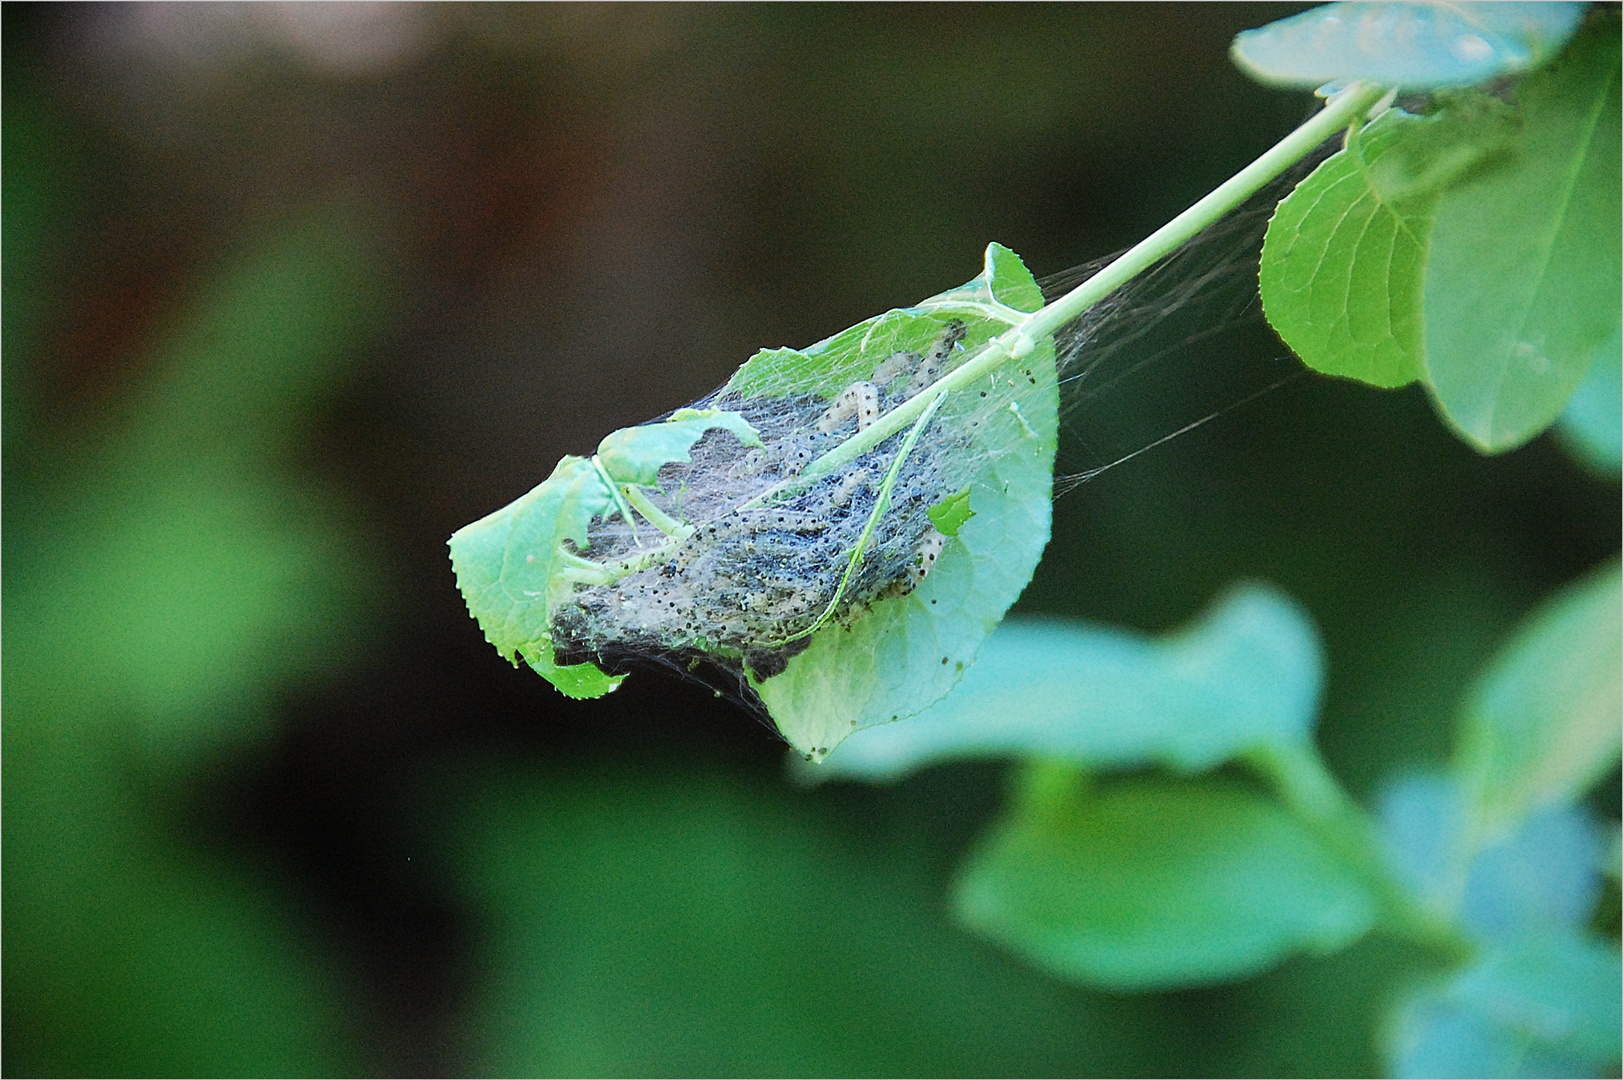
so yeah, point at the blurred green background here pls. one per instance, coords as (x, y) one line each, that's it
(291, 292)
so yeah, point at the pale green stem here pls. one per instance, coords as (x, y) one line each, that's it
(658, 518)
(1339, 112)
(1023, 336)
(619, 499)
(586, 572)
(881, 504)
(1299, 777)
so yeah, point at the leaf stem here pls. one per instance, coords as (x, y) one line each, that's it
(658, 518)
(1338, 113)
(1299, 777)
(1021, 338)
(881, 504)
(1032, 329)
(619, 499)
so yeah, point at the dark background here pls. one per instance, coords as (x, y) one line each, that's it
(293, 292)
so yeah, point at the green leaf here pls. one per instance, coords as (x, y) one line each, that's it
(506, 566)
(1415, 46)
(906, 653)
(1248, 673)
(578, 681)
(950, 514)
(1543, 874)
(511, 565)
(786, 565)
(1543, 721)
(1341, 267)
(1522, 283)
(1544, 1005)
(1156, 884)
(635, 455)
(1345, 252)
(1591, 426)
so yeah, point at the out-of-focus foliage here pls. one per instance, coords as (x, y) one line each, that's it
(1541, 726)
(1545, 873)
(1157, 883)
(293, 291)
(1248, 674)
(165, 576)
(1537, 1007)
(683, 924)
(1146, 883)
(1536, 997)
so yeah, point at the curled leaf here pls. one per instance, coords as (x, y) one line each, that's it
(783, 538)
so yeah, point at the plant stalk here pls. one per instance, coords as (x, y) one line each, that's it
(1019, 340)
(1023, 336)
(1299, 777)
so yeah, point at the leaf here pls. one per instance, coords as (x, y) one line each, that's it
(905, 654)
(1154, 884)
(1543, 875)
(506, 566)
(1249, 672)
(1591, 426)
(1416, 46)
(1345, 252)
(1522, 283)
(511, 565)
(1543, 1005)
(756, 551)
(950, 514)
(1542, 723)
(1341, 268)
(635, 454)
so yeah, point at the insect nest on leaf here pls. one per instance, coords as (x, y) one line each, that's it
(738, 556)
